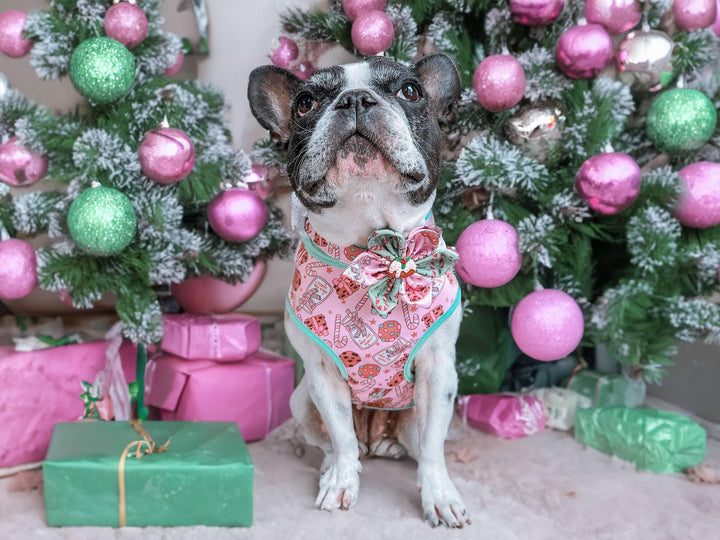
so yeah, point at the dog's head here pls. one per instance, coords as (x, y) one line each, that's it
(369, 120)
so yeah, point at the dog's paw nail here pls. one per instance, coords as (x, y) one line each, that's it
(432, 519)
(468, 521)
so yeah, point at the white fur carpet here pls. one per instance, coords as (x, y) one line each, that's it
(543, 487)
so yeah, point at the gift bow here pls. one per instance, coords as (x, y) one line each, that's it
(398, 267)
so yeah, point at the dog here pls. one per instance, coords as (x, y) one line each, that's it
(373, 307)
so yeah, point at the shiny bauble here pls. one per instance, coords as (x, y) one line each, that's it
(489, 253)
(583, 51)
(535, 12)
(699, 202)
(537, 131)
(617, 16)
(304, 70)
(284, 51)
(18, 269)
(102, 69)
(354, 8)
(12, 42)
(645, 60)
(126, 23)
(237, 214)
(259, 180)
(694, 14)
(20, 166)
(609, 182)
(499, 82)
(176, 67)
(681, 119)
(372, 32)
(167, 155)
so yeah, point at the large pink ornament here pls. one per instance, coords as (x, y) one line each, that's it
(126, 23)
(489, 253)
(372, 32)
(699, 204)
(167, 155)
(547, 325)
(206, 294)
(536, 12)
(12, 41)
(18, 269)
(609, 182)
(175, 68)
(499, 82)
(259, 181)
(617, 16)
(583, 51)
(694, 14)
(354, 8)
(284, 51)
(237, 214)
(19, 166)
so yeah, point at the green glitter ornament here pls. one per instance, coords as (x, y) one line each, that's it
(681, 119)
(102, 69)
(102, 221)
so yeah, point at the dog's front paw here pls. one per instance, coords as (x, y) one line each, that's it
(339, 486)
(441, 501)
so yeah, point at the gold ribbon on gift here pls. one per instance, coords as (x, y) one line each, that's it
(145, 445)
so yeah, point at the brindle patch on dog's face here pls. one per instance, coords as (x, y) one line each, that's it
(355, 121)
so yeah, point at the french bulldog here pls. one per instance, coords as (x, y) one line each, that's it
(376, 335)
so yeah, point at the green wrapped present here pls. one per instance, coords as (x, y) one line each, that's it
(608, 389)
(104, 473)
(659, 441)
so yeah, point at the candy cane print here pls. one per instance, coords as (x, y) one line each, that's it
(309, 269)
(412, 321)
(336, 336)
(362, 302)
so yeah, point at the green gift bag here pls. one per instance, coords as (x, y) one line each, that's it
(202, 476)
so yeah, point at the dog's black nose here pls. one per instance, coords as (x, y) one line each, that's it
(356, 99)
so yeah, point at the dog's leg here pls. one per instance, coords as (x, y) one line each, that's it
(330, 394)
(310, 423)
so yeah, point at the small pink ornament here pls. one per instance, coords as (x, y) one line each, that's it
(284, 51)
(609, 182)
(499, 82)
(535, 12)
(547, 325)
(584, 50)
(204, 295)
(694, 14)
(237, 214)
(716, 24)
(18, 269)
(372, 32)
(12, 41)
(258, 180)
(167, 155)
(617, 16)
(304, 70)
(354, 8)
(489, 253)
(126, 23)
(699, 204)
(176, 67)
(19, 166)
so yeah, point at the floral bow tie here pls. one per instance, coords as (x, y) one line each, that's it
(396, 267)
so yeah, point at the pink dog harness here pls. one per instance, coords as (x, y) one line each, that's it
(379, 302)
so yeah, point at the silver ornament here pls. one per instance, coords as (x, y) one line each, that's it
(645, 60)
(537, 131)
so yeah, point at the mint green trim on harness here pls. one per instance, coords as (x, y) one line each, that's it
(319, 254)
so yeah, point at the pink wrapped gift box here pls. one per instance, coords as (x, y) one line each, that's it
(41, 388)
(254, 393)
(223, 338)
(506, 415)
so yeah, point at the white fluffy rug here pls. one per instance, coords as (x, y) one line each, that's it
(543, 487)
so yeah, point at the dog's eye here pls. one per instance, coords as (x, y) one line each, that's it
(305, 103)
(409, 92)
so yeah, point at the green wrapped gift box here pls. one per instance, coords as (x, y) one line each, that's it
(659, 441)
(608, 389)
(204, 478)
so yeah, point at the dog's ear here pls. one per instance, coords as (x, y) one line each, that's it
(270, 92)
(441, 80)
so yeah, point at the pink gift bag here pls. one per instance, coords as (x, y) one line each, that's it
(506, 415)
(254, 393)
(223, 338)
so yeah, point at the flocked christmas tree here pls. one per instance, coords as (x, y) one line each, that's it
(141, 162)
(581, 160)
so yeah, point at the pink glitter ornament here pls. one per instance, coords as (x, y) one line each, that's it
(258, 180)
(304, 70)
(609, 182)
(19, 166)
(489, 253)
(237, 214)
(126, 23)
(205, 294)
(167, 155)
(354, 8)
(716, 24)
(535, 12)
(694, 14)
(583, 51)
(372, 32)
(12, 41)
(617, 16)
(547, 325)
(175, 68)
(18, 269)
(284, 51)
(699, 204)
(499, 82)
